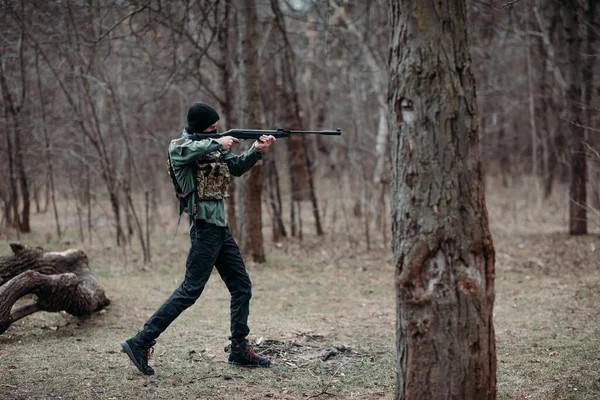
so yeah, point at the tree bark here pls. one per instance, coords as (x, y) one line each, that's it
(443, 249)
(60, 280)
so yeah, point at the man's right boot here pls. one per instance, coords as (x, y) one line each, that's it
(139, 353)
(243, 354)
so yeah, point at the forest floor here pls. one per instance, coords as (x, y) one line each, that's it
(324, 311)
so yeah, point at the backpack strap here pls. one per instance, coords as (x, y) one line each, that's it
(181, 197)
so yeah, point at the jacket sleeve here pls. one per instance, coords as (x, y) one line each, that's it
(240, 164)
(184, 151)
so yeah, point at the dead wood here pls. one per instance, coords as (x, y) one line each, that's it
(62, 281)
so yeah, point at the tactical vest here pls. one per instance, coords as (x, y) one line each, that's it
(211, 178)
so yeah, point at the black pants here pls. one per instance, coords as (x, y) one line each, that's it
(211, 245)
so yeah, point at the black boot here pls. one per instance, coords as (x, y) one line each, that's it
(243, 354)
(139, 353)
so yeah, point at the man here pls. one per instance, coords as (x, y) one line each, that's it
(200, 169)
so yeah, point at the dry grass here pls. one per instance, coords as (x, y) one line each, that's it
(547, 318)
(309, 299)
(301, 300)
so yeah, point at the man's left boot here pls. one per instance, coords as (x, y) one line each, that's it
(139, 353)
(243, 354)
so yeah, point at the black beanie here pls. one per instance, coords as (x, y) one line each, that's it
(199, 117)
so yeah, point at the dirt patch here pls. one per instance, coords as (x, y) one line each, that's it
(295, 353)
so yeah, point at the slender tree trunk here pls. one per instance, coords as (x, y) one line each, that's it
(549, 155)
(226, 44)
(46, 197)
(313, 190)
(36, 197)
(588, 83)
(17, 114)
(116, 207)
(443, 249)
(148, 254)
(274, 191)
(578, 179)
(553, 140)
(13, 199)
(24, 225)
(50, 165)
(11, 111)
(76, 198)
(88, 195)
(531, 101)
(250, 44)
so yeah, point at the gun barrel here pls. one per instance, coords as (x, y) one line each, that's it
(337, 131)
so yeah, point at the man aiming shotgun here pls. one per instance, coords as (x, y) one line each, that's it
(200, 165)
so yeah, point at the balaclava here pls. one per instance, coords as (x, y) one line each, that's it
(199, 117)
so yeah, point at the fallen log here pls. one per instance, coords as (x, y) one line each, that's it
(61, 281)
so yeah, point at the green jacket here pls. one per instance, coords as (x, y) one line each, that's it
(184, 152)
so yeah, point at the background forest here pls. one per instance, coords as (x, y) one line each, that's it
(92, 92)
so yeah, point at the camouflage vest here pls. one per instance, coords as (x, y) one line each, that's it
(212, 177)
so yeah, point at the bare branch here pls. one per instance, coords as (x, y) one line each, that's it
(119, 22)
(591, 149)
(510, 3)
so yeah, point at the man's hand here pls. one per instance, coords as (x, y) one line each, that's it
(263, 142)
(227, 142)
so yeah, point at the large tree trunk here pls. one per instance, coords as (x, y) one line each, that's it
(577, 186)
(60, 280)
(443, 249)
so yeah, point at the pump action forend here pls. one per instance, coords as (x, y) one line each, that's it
(257, 133)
